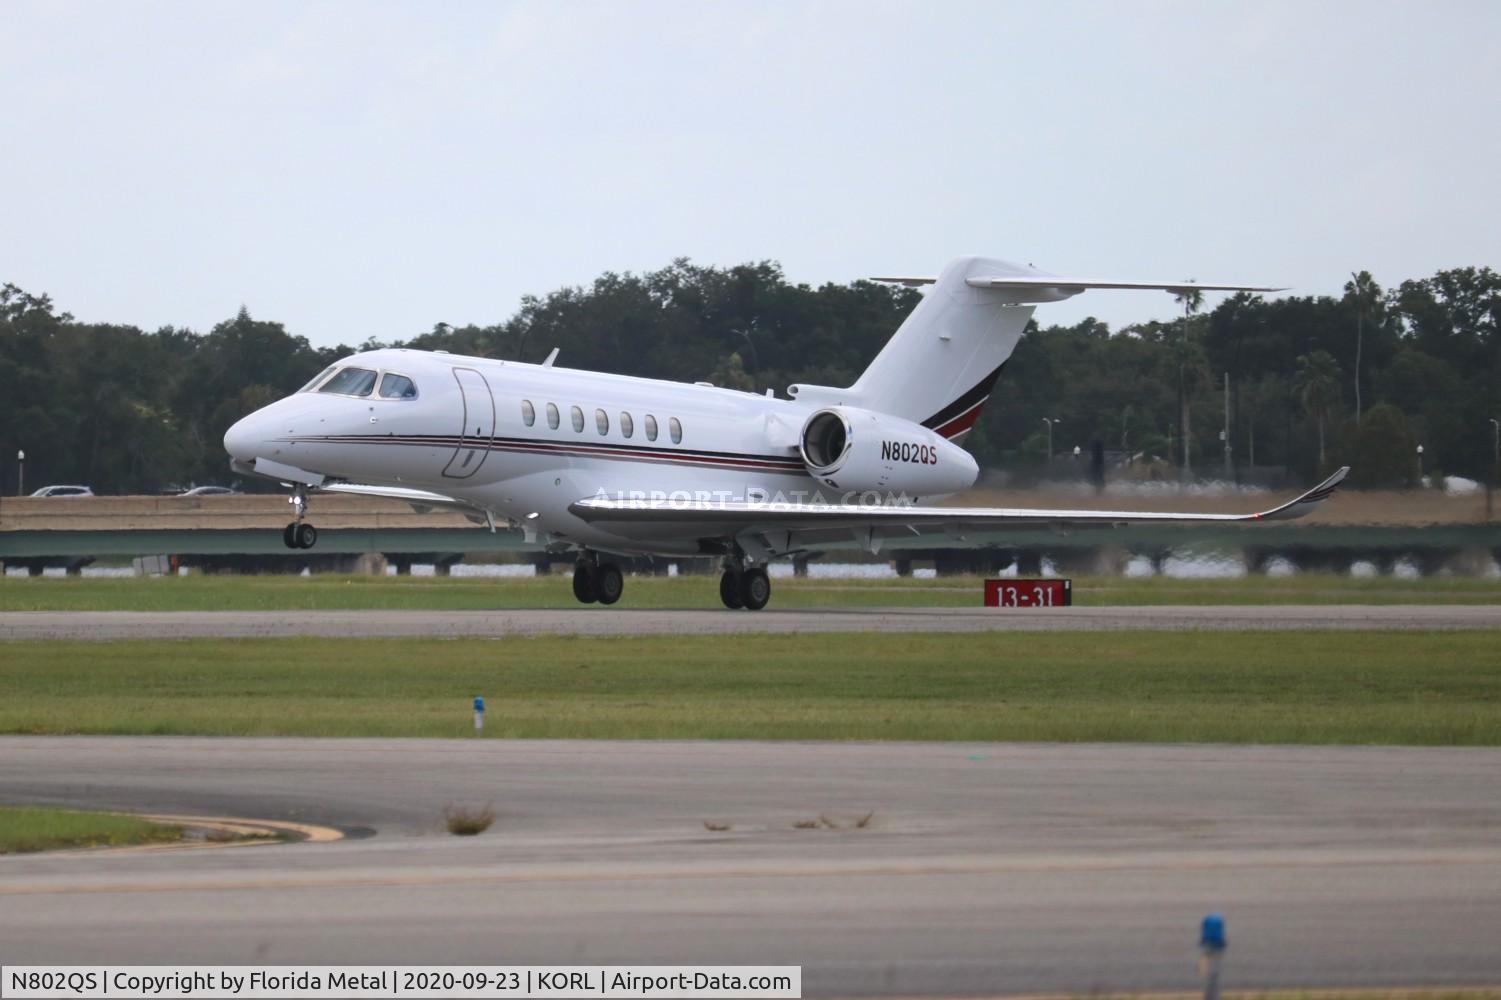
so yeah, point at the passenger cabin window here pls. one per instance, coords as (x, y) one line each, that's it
(651, 427)
(627, 425)
(394, 386)
(552, 415)
(350, 382)
(602, 421)
(578, 418)
(317, 378)
(528, 412)
(676, 430)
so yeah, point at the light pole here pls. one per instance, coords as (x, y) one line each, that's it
(1420, 466)
(20, 472)
(1050, 421)
(1495, 467)
(1225, 434)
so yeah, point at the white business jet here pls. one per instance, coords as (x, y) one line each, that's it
(608, 464)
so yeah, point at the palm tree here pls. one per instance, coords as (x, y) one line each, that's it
(1317, 385)
(1364, 293)
(1191, 299)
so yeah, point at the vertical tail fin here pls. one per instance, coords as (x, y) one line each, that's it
(940, 366)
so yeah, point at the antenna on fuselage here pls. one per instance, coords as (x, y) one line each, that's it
(551, 358)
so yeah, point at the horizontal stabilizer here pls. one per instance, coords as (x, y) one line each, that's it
(1077, 285)
(1053, 288)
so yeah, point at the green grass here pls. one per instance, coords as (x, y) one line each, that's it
(33, 828)
(278, 593)
(1401, 687)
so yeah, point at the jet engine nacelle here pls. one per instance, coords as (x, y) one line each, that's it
(853, 449)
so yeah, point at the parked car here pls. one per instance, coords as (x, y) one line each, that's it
(208, 491)
(64, 491)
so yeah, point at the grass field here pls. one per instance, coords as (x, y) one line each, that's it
(251, 593)
(32, 828)
(1409, 687)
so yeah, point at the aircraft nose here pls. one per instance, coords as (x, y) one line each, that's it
(243, 438)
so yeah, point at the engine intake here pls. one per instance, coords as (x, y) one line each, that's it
(857, 450)
(826, 441)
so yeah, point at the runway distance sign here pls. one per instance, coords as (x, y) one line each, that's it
(1029, 593)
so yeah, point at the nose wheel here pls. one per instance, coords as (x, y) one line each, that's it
(299, 534)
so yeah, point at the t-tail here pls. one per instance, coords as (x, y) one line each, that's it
(943, 362)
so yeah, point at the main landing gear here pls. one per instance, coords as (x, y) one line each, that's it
(597, 582)
(742, 586)
(299, 534)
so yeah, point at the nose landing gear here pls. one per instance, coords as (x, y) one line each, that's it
(299, 534)
(594, 581)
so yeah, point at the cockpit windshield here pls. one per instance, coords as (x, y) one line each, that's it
(318, 378)
(394, 386)
(350, 382)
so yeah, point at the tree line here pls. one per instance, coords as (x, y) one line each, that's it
(1314, 382)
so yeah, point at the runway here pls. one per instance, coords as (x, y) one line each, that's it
(994, 868)
(597, 621)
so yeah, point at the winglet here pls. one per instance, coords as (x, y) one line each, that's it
(1299, 506)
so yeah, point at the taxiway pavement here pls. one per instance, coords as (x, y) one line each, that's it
(634, 621)
(984, 868)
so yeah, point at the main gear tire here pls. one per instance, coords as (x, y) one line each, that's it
(584, 587)
(755, 589)
(609, 583)
(729, 590)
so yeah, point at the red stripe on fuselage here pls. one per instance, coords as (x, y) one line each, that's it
(580, 449)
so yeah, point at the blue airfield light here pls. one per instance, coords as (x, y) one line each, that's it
(479, 704)
(1212, 933)
(1211, 951)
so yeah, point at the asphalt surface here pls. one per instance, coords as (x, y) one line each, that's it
(983, 868)
(630, 621)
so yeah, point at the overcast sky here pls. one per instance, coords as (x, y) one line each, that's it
(364, 169)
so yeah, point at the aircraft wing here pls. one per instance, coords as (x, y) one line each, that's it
(736, 517)
(422, 501)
